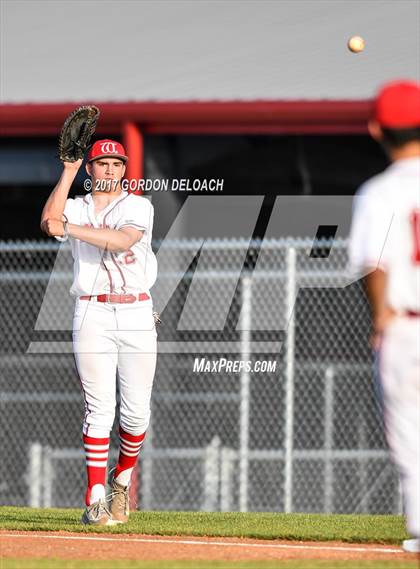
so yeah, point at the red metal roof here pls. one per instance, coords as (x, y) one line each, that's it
(212, 117)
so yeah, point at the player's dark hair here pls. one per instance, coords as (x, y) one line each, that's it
(396, 138)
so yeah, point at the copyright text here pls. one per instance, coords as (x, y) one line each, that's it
(156, 185)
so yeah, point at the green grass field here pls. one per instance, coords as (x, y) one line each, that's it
(301, 527)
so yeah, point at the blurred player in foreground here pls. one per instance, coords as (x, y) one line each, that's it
(385, 246)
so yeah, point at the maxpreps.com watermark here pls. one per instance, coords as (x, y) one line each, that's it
(156, 185)
(204, 365)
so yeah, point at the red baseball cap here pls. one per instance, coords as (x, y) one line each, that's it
(106, 148)
(397, 105)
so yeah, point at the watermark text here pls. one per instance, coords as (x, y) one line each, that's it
(224, 365)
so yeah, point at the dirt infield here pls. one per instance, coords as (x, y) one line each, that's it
(66, 545)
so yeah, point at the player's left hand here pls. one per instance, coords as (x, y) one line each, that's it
(54, 227)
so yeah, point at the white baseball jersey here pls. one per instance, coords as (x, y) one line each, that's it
(97, 271)
(385, 231)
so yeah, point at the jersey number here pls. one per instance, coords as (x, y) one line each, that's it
(129, 257)
(415, 228)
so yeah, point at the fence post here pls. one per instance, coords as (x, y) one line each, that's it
(400, 505)
(244, 403)
(146, 470)
(34, 480)
(227, 457)
(328, 439)
(48, 477)
(290, 371)
(211, 475)
(363, 474)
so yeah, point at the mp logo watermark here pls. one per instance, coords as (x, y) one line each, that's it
(234, 293)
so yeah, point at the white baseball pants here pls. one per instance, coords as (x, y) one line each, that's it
(110, 341)
(399, 369)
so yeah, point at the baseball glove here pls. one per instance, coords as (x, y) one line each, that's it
(76, 133)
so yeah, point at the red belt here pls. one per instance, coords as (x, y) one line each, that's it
(412, 314)
(117, 298)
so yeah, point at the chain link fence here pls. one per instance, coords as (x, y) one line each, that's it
(304, 435)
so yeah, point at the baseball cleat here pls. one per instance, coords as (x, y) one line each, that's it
(411, 545)
(97, 514)
(119, 503)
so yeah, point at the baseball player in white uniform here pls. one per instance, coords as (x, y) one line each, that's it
(114, 333)
(385, 246)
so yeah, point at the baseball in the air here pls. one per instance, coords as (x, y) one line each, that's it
(356, 44)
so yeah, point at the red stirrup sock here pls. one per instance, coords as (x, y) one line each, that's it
(96, 461)
(130, 446)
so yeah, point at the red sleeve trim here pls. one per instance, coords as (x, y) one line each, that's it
(141, 227)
